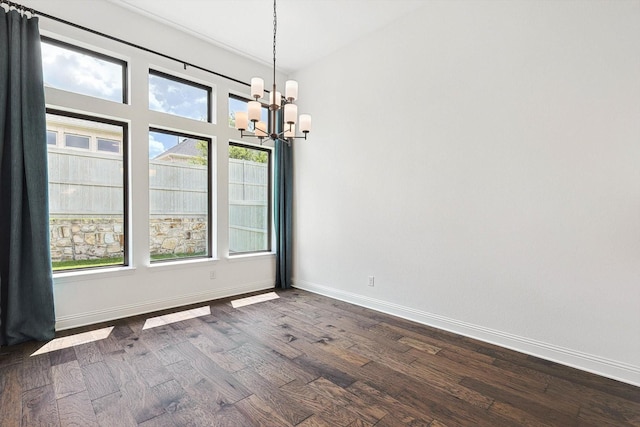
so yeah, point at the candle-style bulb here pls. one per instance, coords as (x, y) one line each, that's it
(257, 88)
(291, 90)
(305, 123)
(241, 120)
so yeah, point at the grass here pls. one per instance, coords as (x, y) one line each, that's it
(105, 262)
(86, 263)
(161, 257)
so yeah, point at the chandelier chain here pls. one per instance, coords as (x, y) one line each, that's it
(275, 27)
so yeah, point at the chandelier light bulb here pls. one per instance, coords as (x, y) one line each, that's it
(290, 131)
(257, 88)
(305, 123)
(291, 90)
(242, 120)
(290, 113)
(277, 101)
(254, 111)
(261, 130)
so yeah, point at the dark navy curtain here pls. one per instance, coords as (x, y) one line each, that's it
(26, 285)
(283, 212)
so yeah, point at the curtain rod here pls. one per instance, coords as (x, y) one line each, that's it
(116, 39)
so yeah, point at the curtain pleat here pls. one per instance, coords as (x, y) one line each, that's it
(283, 213)
(26, 284)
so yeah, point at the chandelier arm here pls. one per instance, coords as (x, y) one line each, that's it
(250, 135)
(286, 138)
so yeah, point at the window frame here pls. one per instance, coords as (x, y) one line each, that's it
(270, 200)
(74, 48)
(210, 213)
(208, 89)
(126, 261)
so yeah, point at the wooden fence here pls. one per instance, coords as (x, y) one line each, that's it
(89, 184)
(248, 206)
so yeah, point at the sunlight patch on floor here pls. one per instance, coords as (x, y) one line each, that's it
(254, 299)
(154, 322)
(73, 340)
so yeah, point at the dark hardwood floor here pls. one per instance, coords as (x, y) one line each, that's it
(301, 360)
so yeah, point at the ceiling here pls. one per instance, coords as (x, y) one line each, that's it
(307, 29)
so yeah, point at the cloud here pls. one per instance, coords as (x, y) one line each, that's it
(76, 72)
(155, 147)
(155, 103)
(82, 74)
(177, 98)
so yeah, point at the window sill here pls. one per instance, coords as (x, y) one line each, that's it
(179, 264)
(96, 273)
(250, 256)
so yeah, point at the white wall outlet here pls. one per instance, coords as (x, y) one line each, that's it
(212, 274)
(371, 281)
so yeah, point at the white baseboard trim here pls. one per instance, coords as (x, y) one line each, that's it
(112, 313)
(587, 362)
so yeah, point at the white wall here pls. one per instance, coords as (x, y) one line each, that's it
(88, 297)
(481, 159)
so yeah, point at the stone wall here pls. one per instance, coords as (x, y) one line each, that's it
(76, 239)
(178, 235)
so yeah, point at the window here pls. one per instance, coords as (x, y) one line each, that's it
(237, 103)
(52, 137)
(76, 141)
(87, 195)
(179, 196)
(249, 199)
(89, 157)
(82, 71)
(108, 145)
(173, 95)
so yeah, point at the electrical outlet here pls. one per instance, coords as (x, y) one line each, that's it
(371, 280)
(212, 274)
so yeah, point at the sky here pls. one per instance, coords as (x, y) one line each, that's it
(76, 72)
(180, 99)
(160, 142)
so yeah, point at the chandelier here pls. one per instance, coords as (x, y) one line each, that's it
(263, 130)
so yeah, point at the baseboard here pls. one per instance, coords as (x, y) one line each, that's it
(587, 362)
(98, 316)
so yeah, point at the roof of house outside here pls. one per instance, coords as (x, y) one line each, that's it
(186, 148)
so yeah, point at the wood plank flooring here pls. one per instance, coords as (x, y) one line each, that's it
(300, 360)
